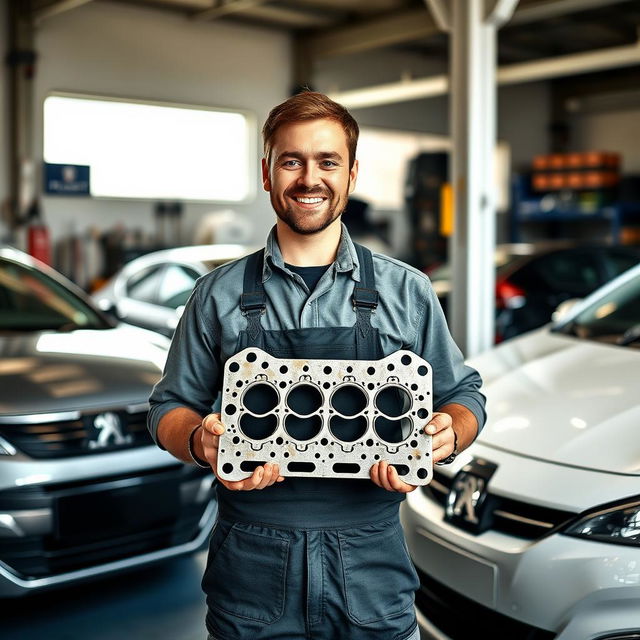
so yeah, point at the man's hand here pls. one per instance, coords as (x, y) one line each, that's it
(261, 477)
(443, 436)
(442, 443)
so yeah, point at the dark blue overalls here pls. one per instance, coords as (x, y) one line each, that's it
(307, 558)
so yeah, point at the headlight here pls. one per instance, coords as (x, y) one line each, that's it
(619, 524)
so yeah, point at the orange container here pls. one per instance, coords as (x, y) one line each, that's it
(595, 158)
(574, 160)
(557, 161)
(557, 180)
(540, 162)
(575, 180)
(540, 181)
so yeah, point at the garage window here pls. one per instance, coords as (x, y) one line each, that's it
(151, 150)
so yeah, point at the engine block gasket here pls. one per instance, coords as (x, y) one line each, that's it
(266, 400)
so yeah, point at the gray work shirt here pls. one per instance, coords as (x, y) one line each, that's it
(408, 317)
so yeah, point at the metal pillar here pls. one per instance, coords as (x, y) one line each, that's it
(21, 60)
(472, 25)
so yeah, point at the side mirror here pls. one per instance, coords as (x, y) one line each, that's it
(563, 309)
(109, 307)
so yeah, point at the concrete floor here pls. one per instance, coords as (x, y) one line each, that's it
(160, 603)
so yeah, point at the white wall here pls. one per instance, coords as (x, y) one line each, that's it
(114, 50)
(611, 131)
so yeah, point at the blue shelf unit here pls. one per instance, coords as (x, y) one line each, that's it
(560, 214)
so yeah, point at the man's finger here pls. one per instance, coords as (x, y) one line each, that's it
(373, 474)
(267, 473)
(383, 474)
(211, 424)
(438, 422)
(396, 483)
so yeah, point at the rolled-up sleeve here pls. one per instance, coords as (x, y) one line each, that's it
(453, 380)
(192, 370)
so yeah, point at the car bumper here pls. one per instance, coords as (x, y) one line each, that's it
(76, 526)
(554, 587)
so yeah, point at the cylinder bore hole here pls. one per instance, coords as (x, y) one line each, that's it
(258, 428)
(260, 398)
(303, 428)
(304, 399)
(348, 429)
(348, 400)
(393, 400)
(393, 430)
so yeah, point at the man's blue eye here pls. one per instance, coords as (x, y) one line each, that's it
(329, 163)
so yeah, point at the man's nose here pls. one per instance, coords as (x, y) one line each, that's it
(309, 175)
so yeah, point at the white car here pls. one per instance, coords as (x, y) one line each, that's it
(534, 531)
(151, 291)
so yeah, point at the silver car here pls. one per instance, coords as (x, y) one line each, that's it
(534, 531)
(83, 490)
(151, 291)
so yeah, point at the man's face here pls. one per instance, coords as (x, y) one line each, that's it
(309, 180)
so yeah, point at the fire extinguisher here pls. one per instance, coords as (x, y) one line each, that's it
(38, 240)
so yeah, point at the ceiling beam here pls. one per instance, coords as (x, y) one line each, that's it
(55, 8)
(222, 9)
(416, 24)
(395, 28)
(542, 9)
(545, 69)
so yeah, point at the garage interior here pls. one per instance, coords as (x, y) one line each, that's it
(534, 141)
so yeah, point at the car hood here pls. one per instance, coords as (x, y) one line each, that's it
(45, 372)
(563, 400)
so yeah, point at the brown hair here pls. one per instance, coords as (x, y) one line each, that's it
(310, 105)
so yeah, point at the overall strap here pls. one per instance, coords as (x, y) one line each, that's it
(365, 296)
(253, 302)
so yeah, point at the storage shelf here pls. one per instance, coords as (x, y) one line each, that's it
(528, 209)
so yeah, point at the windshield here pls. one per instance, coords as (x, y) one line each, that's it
(614, 318)
(32, 301)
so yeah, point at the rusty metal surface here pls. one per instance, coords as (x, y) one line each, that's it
(326, 418)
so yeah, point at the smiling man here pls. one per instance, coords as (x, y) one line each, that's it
(307, 558)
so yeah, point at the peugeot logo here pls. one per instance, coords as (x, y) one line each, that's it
(468, 504)
(110, 431)
(464, 497)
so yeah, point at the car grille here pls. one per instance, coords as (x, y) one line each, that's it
(442, 607)
(76, 435)
(95, 525)
(512, 517)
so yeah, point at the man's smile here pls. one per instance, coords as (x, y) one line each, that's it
(309, 200)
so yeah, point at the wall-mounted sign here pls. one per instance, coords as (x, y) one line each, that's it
(66, 179)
